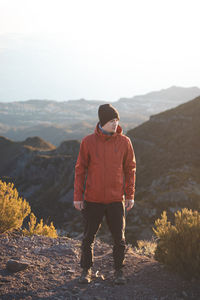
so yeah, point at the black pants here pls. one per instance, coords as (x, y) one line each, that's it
(93, 214)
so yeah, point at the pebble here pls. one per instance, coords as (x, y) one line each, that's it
(4, 280)
(184, 294)
(70, 271)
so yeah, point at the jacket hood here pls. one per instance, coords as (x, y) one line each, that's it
(100, 133)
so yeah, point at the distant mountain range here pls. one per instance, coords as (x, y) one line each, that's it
(58, 121)
(168, 171)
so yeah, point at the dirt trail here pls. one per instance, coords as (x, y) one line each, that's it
(54, 268)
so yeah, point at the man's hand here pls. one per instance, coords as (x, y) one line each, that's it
(78, 205)
(129, 204)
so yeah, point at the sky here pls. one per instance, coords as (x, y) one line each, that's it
(96, 49)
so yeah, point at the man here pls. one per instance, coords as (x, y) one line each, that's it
(106, 167)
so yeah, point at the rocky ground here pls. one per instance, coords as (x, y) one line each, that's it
(43, 268)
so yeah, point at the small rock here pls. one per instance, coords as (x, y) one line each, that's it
(4, 279)
(64, 288)
(75, 290)
(70, 271)
(17, 265)
(184, 294)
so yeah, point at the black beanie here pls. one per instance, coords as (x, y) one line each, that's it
(107, 113)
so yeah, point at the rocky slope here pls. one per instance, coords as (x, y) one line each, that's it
(43, 268)
(168, 164)
(42, 174)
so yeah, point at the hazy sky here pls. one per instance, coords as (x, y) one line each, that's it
(97, 49)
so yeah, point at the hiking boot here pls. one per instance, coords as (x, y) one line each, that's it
(86, 276)
(119, 277)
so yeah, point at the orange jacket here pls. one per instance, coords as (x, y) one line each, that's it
(108, 165)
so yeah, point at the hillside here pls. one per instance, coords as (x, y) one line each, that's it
(38, 143)
(168, 165)
(10, 151)
(42, 174)
(50, 270)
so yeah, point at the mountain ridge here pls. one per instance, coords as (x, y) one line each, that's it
(57, 121)
(170, 93)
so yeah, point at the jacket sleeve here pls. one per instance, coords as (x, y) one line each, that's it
(129, 171)
(81, 171)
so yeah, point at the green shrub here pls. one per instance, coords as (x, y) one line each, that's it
(13, 209)
(40, 228)
(179, 245)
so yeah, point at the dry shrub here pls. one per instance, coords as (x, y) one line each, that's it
(40, 228)
(145, 247)
(13, 209)
(179, 245)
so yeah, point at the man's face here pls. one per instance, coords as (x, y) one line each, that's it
(111, 126)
